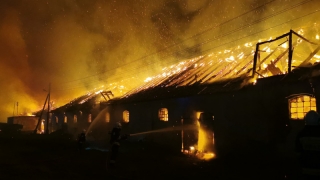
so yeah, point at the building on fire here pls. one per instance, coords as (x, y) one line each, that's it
(215, 102)
(27, 123)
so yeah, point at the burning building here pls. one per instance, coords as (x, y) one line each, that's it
(27, 123)
(217, 102)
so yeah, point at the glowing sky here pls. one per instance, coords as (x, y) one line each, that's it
(78, 45)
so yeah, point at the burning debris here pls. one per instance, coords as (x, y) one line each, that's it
(199, 154)
(123, 38)
(235, 62)
(204, 147)
(272, 59)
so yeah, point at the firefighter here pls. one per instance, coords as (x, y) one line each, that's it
(115, 133)
(115, 142)
(81, 139)
(308, 146)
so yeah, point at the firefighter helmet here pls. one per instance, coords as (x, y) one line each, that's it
(312, 118)
(118, 125)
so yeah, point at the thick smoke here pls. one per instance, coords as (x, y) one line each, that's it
(78, 45)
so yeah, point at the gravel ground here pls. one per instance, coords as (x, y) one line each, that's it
(44, 157)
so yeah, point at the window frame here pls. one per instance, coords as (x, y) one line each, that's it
(300, 104)
(75, 118)
(107, 117)
(163, 114)
(126, 116)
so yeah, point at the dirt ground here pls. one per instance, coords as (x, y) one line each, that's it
(45, 157)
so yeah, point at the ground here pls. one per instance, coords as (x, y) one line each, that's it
(45, 157)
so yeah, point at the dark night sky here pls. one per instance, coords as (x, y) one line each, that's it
(78, 45)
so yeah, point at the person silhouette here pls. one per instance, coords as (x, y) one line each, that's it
(308, 146)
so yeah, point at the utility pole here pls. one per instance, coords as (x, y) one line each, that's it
(182, 146)
(48, 113)
(14, 108)
(17, 108)
(39, 120)
(290, 52)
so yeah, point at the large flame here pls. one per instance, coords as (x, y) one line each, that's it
(80, 46)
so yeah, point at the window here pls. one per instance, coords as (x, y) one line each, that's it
(75, 119)
(125, 116)
(42, 126)
(65, 119)
(300, 105)
(163, 114)
(89, 118)
(107, 117)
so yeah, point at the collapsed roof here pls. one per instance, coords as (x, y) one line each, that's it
(225, 70)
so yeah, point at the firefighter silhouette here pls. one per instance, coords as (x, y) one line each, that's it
(308, 146)
(81, 140)
(115, 142)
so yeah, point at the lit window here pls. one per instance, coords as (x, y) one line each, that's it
(300, 105)
(65, 119)
(107, 117)
(75, 119)
(163, 114)
(42, 126)
(125, 116)
(89, 118)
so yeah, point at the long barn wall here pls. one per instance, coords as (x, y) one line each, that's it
(257, 113)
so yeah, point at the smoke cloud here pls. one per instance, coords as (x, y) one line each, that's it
(78, 45)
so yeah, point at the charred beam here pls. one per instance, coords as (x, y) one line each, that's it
(310, 56)
(255, 59)
(107, 93)
(304, 38)
(290, 52)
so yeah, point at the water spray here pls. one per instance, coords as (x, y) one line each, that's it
(177, 128)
